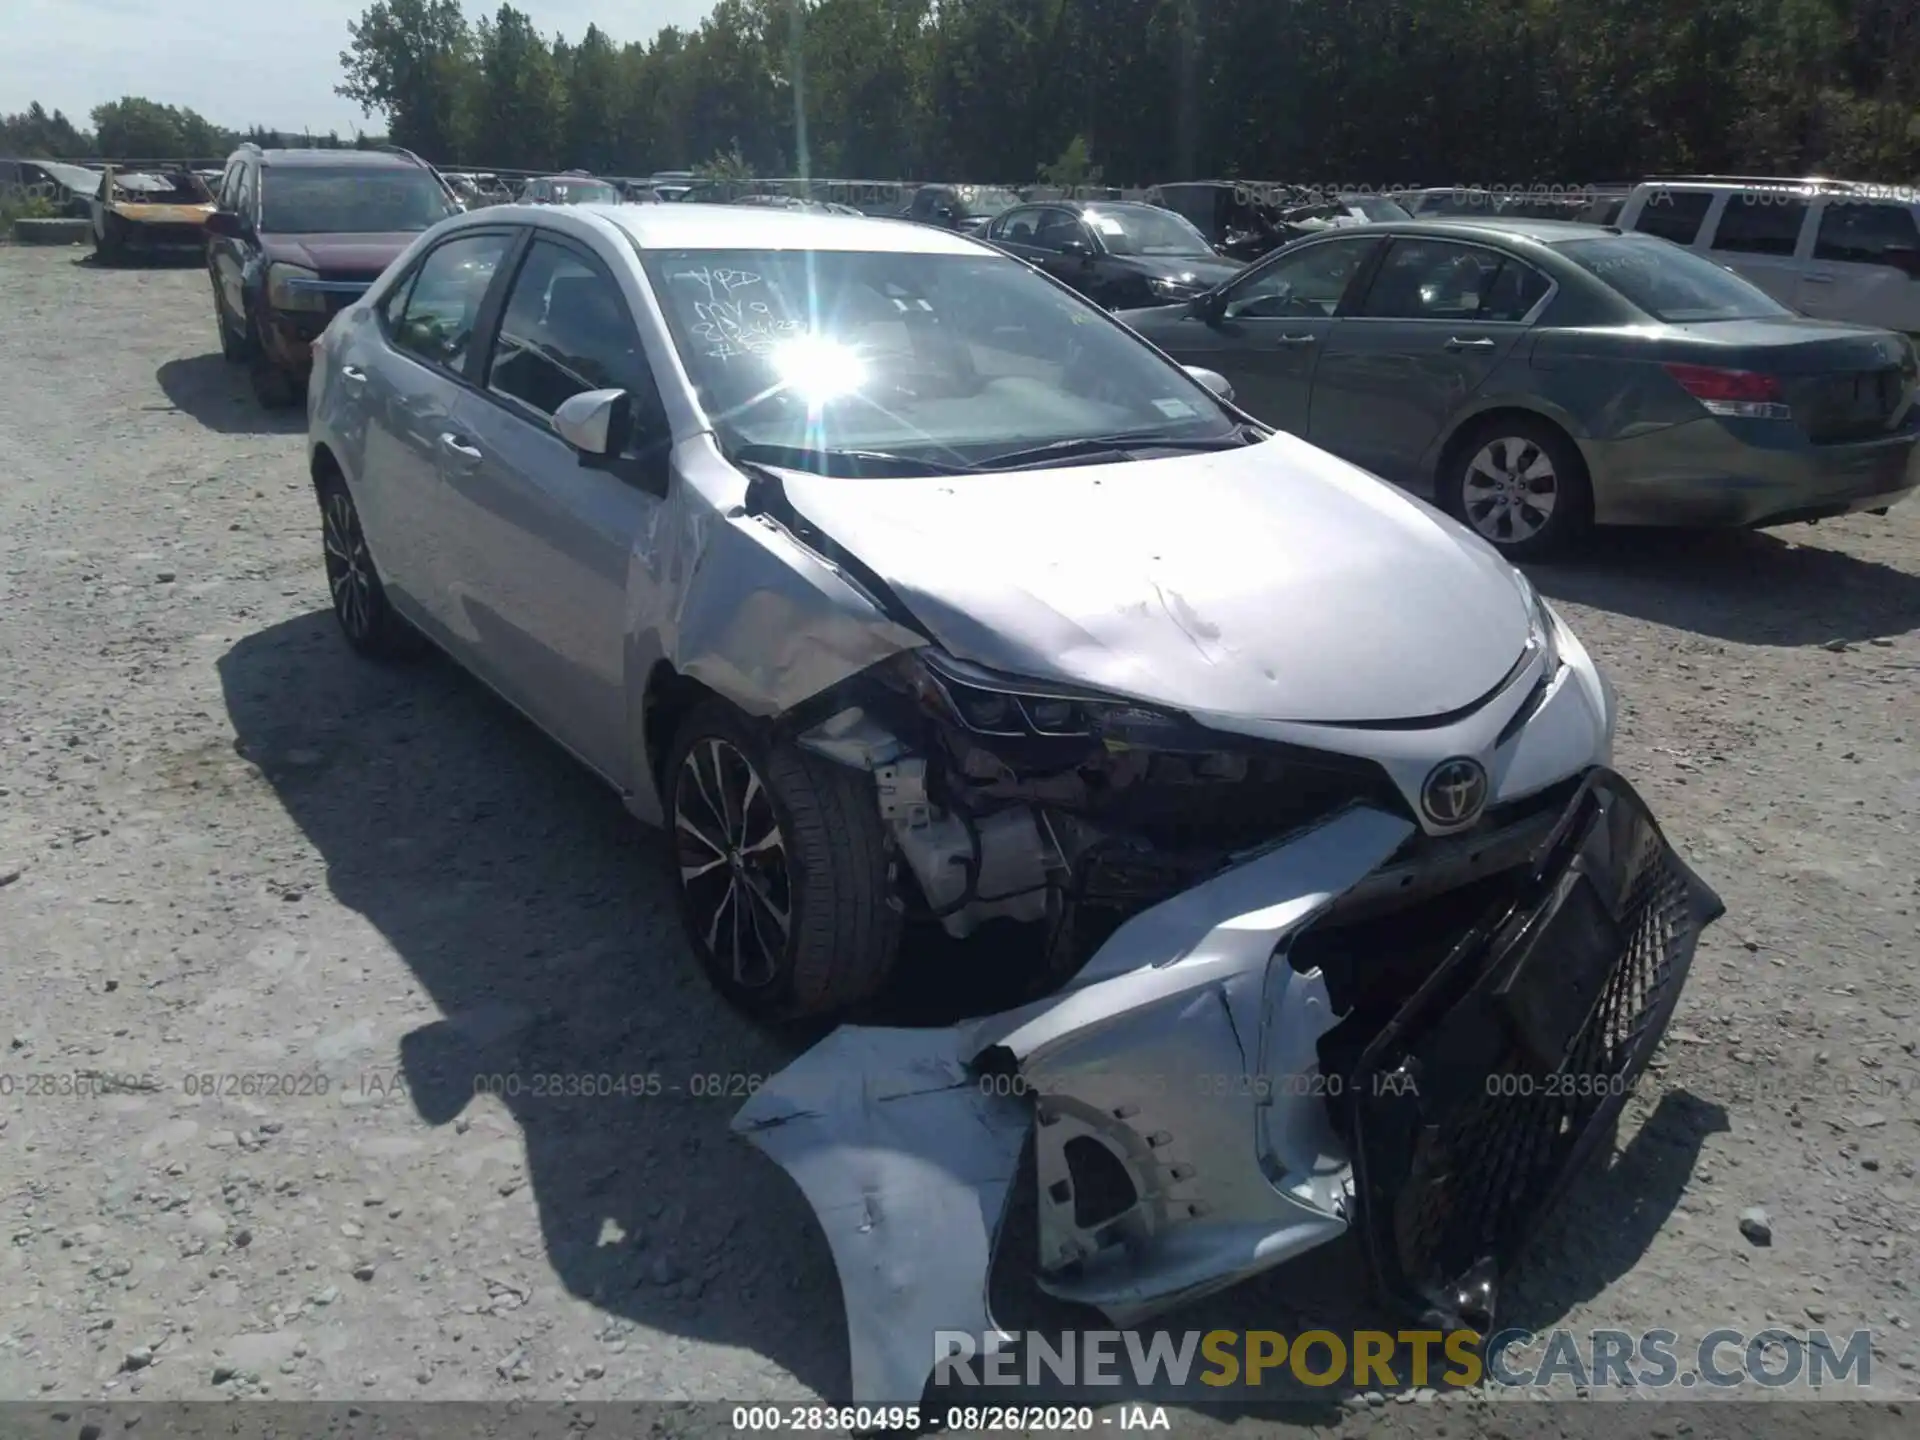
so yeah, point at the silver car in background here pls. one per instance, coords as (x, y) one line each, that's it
(906, 590)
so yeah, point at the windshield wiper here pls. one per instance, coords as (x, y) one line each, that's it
(842, 462)
(1094, 446)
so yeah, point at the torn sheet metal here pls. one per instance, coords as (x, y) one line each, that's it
(908, 1160)
(1154, 1056)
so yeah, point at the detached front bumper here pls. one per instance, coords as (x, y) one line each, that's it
(1203, 1105)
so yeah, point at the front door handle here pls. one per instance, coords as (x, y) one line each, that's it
(1298, 339)
(1454, 342)
(1818, 279)
(353, 373)
(457, 445)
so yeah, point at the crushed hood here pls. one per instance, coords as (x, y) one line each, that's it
(1271, 582)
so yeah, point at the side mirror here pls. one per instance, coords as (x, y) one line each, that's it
(227, 223)
(1213, 380)
(1208, 307)
(597, 423)
(1076, 247)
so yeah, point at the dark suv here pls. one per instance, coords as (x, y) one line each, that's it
(298, 235)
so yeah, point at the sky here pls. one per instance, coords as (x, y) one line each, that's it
(240, 62)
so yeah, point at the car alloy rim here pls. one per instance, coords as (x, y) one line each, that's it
(733, 861)
(349, 569)
(1510, 490)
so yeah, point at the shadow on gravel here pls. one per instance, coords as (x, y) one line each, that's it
(540, 918)
(1748, 586)
(217, 395)
(164, 260)
(1613, 1214)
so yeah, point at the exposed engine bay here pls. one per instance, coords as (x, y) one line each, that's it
(1076, 812)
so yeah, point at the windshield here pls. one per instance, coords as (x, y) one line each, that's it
(351, 202)
(1669, 283)
(584, 192)
(1144, 230)
(950, 358)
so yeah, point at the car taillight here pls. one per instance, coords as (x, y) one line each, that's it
(1741, 394)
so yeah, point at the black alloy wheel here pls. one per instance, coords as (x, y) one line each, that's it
(732, 856)
(359, 599)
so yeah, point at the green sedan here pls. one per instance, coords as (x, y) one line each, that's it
(1536, 378)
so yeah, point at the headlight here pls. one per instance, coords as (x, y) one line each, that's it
(286, 288)
(1012, 708)
(1543, 632)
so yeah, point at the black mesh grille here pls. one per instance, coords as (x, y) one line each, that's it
(1498, 1160)
(1486, 1091)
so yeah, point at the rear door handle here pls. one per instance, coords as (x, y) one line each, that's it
(1298, 339)
(1454, 342)
(1818, 279)
(457, 445)
(353, 373)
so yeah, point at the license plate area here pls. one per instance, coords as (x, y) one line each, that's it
(1561, 970)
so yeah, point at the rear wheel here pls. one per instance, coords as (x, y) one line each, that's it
(782, 866)
(235, 345)
(1521, 484)
(359, 599)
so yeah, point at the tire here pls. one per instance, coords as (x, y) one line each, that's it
(360, 604)
(809, 834)
(234, 348)
(1497, 475)
(110, 245)
(274, 386)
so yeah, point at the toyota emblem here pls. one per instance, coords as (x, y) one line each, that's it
(1455, 792)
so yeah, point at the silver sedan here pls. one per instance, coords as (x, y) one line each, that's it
(909, 591)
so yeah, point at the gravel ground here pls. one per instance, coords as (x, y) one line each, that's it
(229, 849)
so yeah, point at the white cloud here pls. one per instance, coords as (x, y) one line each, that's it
(239, 62)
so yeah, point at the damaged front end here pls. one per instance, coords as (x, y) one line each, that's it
(1353, 1025)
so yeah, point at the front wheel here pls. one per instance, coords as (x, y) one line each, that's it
(1522, 485)
(235, 347)
(782, 866)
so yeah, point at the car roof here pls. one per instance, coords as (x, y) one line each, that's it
(334, 159)
(1544, 232)
(758, 227)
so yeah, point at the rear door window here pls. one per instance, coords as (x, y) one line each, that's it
(1869, 233)
(1674, 215)
(435, 322)
(1756, 222)
(1435, 280)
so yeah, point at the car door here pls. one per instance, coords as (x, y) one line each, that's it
(1757, 234)
(1014, 233)
(539, 584)
(232, 258)
(1864, 263)
(1268, 328)
(410, 365)
(1066, 249)
(1437, 318)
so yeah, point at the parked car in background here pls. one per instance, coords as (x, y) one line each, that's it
(966, 208)
(1835, 249)
(300, 233)
(1537, 377)
(1591, 204)
(1116, 253)
(576, 187)
(1241, 221)
(149, 213)
(69, 189)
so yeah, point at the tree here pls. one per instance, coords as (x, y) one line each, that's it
(412, 61)
(135, 128)
(516, 121)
